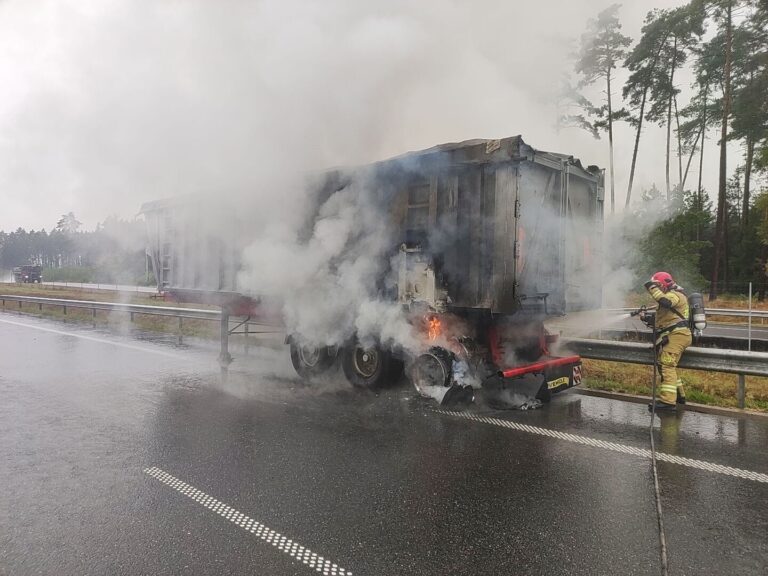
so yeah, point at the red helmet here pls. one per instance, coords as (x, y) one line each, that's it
(663, 279)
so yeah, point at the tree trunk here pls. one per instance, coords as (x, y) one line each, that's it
(763, 284)
(747, 176)
(640, 121)
(722, 183)
(610, 139)
(699, 199)
(637, 145)
(726, 251)
(680, 179)
(669, 112)
(690, 158)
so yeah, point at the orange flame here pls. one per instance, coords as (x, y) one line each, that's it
(435, 327)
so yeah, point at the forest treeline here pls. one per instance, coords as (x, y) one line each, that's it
(112, 253)
(722, 236)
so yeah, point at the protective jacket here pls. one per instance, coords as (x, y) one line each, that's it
(673, 312)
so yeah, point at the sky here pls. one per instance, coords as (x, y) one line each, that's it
(107, 104)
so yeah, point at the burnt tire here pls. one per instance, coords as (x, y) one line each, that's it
(311, 361)
(366, 367)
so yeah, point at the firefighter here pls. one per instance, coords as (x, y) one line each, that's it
(673, 336)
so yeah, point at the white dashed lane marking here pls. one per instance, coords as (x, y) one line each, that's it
(281, 542)
(615, 447)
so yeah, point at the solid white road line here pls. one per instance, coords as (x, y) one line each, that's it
(95, 339)
(615, 447)
(286, 545)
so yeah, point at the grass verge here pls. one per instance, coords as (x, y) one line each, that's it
(710, 388)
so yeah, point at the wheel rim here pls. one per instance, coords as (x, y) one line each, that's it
(429, 371)
(366, 361)
(309, 356)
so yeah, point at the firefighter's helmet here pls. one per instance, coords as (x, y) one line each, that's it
(663, 279)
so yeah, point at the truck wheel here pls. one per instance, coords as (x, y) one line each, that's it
(366, 367)
(309, 360)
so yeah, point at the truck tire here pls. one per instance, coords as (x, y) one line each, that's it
(310, 361)
(366, 367)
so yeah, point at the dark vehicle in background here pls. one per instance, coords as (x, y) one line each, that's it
(28, 273)
(489, 237)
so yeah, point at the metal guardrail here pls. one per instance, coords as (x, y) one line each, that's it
(192, 313)
(737, 312)
(708, 359)
(711, 359)
(167, 311)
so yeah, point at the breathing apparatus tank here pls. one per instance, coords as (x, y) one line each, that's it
(698, 318)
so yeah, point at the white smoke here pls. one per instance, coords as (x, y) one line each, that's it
(112, 103)
(330, 284)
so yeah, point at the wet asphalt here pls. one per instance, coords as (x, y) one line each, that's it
(376, 483)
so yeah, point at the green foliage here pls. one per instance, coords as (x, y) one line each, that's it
(602, 48)
(682, 28)
(677, 239)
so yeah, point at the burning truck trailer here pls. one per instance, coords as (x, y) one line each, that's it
(489, 238)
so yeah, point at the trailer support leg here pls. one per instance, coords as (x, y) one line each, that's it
(225, 359)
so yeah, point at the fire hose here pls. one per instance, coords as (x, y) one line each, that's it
(649, 318)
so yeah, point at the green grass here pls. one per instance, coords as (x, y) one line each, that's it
(711, 388)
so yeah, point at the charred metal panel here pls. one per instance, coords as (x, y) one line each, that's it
(503, 276)
(540, 235)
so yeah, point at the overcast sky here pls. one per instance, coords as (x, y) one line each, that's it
(108, 103)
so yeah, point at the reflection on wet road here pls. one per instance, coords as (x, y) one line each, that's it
(269, 475)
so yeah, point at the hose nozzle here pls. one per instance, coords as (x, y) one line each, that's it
(638, 311)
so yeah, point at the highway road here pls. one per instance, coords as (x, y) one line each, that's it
(124, 454)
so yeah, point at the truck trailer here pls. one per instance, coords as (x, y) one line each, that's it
(488, 239)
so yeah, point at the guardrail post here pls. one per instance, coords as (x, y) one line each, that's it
(40, 307)
(179, 336)
(246, 343)
(19, 304)
(741, 391)
(131, 316)
(225, 359)
(93, 315)
(65, 310)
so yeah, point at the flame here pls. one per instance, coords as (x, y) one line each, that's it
(434, 327)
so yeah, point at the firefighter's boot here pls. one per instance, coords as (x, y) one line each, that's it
(662, 407)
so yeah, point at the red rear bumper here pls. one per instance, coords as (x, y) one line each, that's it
(541, 366)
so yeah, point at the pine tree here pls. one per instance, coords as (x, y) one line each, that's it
(602, 47)
(643, 64)
(683, 27)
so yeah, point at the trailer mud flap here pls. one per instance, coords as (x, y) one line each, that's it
(559, 378)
